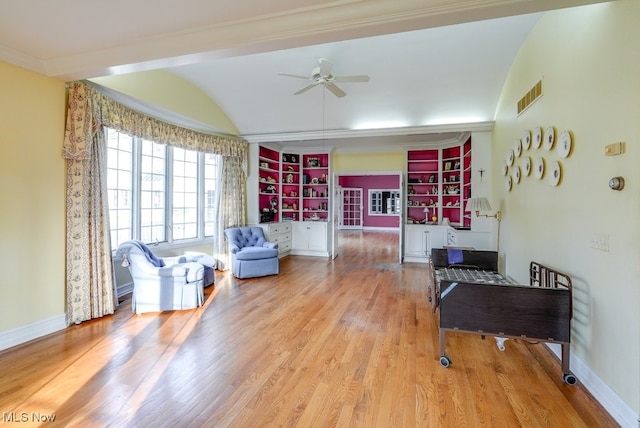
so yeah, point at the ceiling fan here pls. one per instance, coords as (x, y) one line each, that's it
(323, 75)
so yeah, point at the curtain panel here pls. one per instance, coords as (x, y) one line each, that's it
(90, 285)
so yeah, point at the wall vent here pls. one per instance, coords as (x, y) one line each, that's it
(529, 98)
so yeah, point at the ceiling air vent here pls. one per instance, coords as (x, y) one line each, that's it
(529, 98)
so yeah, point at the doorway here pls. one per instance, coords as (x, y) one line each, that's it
(351, 215)
(383, 221)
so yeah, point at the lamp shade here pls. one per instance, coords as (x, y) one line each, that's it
(478, 204)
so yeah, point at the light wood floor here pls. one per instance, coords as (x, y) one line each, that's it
(349, 342)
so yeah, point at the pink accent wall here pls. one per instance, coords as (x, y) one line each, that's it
(377, 182)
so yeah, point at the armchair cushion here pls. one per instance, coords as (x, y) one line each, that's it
(256, 253)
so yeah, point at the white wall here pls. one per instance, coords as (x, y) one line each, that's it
(589, 60)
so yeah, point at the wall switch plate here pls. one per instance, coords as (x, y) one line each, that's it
(600, 242)
(614, 149)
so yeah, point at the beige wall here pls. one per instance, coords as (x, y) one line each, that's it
(589, 60)
(32, 198)
(177, 95)
(347, 162)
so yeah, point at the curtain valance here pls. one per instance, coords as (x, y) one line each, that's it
(89, 110)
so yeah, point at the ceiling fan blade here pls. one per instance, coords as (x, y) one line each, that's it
(294, 75)
(335, 90)
(325, 67)
(305, 89)
(359, 78)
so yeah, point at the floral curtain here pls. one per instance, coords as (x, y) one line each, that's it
(231, 206)
(90, 285)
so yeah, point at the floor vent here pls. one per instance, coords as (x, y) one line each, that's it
(529, 98)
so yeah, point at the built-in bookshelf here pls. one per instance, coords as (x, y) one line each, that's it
(269, 184)
(293, 186)
(438, 185)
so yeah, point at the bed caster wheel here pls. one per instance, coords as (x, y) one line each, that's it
(569, 379)
(445, 361)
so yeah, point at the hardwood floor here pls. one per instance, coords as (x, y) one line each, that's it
(349, 342)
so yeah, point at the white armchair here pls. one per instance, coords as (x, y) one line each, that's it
(158, 286)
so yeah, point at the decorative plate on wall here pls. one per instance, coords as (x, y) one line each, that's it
(564, 144)
(549, 138)
(510, 158)
(526, 139)
(505, 168)
(538, 168)
(555, 173)
(507, 183)
(537, 137)
(516, 174)
(517, 149)
(526, 166)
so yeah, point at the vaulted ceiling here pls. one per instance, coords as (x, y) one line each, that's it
(436, 67)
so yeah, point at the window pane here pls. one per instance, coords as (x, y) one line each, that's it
(185, 194)
(119, 185)
(153, 183)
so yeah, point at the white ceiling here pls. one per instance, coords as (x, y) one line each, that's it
(433, 64)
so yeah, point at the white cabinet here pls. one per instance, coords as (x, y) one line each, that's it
(415, 241)
(310, 238)
(420, 239)
(280, 233)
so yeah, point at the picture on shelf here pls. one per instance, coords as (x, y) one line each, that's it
(447, 166)
(432, 178)
(456, 165)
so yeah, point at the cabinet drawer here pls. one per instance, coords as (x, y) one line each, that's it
(285, 236)
(284, 247)
(285, 227)
(275, 238)
(274, 229)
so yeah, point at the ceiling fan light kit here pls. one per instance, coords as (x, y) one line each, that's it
(323, 75)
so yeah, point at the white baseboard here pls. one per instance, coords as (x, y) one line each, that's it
(381, 229)
(32, 331)
(607, 398)
(124, 289)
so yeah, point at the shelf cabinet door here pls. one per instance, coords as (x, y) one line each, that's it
(416, 241)
(311, 236)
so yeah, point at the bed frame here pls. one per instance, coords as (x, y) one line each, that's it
(472, 297)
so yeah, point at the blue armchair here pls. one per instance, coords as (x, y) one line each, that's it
(158, 286)
(251, 254)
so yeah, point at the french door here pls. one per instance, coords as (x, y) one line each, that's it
(351, 216)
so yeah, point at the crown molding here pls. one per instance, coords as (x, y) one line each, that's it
(20, 59)
(363, 133)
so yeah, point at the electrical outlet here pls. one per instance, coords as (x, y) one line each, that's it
(600, 242)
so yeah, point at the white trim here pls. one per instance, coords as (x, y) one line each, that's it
(382, 132)
(607, 398)
(381, 229)
(20, 335)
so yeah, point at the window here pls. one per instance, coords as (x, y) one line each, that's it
(384, 202)
(159, 193)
